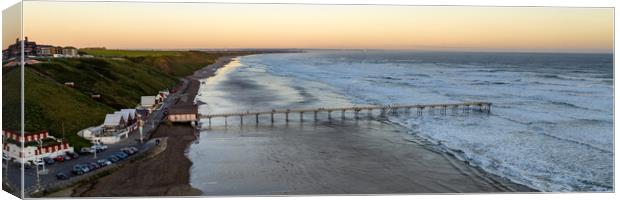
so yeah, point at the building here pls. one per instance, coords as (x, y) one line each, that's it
(96, 135)
(14, 50)
(32, 49)
(113, 123)
(69, 52)
(183, 113)
(129, 115)
(148, 101)
(115, 127)
(45, 50)
(36, 145)
(144, 113)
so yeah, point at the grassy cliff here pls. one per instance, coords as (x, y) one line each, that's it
(120, 80)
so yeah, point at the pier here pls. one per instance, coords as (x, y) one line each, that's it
(484, 107)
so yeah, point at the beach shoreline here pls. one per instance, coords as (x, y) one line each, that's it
(167, 173)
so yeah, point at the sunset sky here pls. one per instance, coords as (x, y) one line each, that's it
(461, 28)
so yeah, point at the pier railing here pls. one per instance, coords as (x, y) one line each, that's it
(385, 109)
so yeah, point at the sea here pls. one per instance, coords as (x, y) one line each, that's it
(550, 127)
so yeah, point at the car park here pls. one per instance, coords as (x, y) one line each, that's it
(62, 176)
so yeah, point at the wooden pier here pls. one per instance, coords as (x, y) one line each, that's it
(484, 107)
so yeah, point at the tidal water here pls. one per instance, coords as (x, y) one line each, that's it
(550, 129)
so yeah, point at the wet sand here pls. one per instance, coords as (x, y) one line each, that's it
(330, 158)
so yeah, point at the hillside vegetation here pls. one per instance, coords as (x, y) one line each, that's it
(120, 80)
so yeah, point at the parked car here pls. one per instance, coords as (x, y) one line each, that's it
(60, 158)
(104, 162)
(67, 157)
(38, 162)
(78, 170)
(87, 150)
(27, 165)
(99, 147)
(73, 155)
(134, 149)
(128, 151)
(62, 176)
(85, 168)
(90, 166)
(121, 155)
(113, 159)
(5, 157)
(48, 161)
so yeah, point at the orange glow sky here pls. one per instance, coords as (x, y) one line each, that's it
(166, 25)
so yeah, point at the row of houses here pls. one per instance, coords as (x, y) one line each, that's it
(118, 125)
(32, 49)
(36, 145)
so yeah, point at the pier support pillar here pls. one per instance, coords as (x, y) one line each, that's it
(315, 117)
(209, 121)
(241, 117)
(356, 114)
(225, 120)
(272, 118)
(301, 116)
(257, 118)
(286, 116)
(329, 115)
(342, 114)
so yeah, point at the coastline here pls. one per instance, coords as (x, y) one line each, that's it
(167, 173)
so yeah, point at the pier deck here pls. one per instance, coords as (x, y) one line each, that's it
(420, 108)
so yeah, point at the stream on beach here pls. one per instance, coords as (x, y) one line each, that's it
(551, 127)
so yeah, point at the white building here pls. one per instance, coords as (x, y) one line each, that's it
(96, 135)
(113, 123)
(148, 101)
(49, 146)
